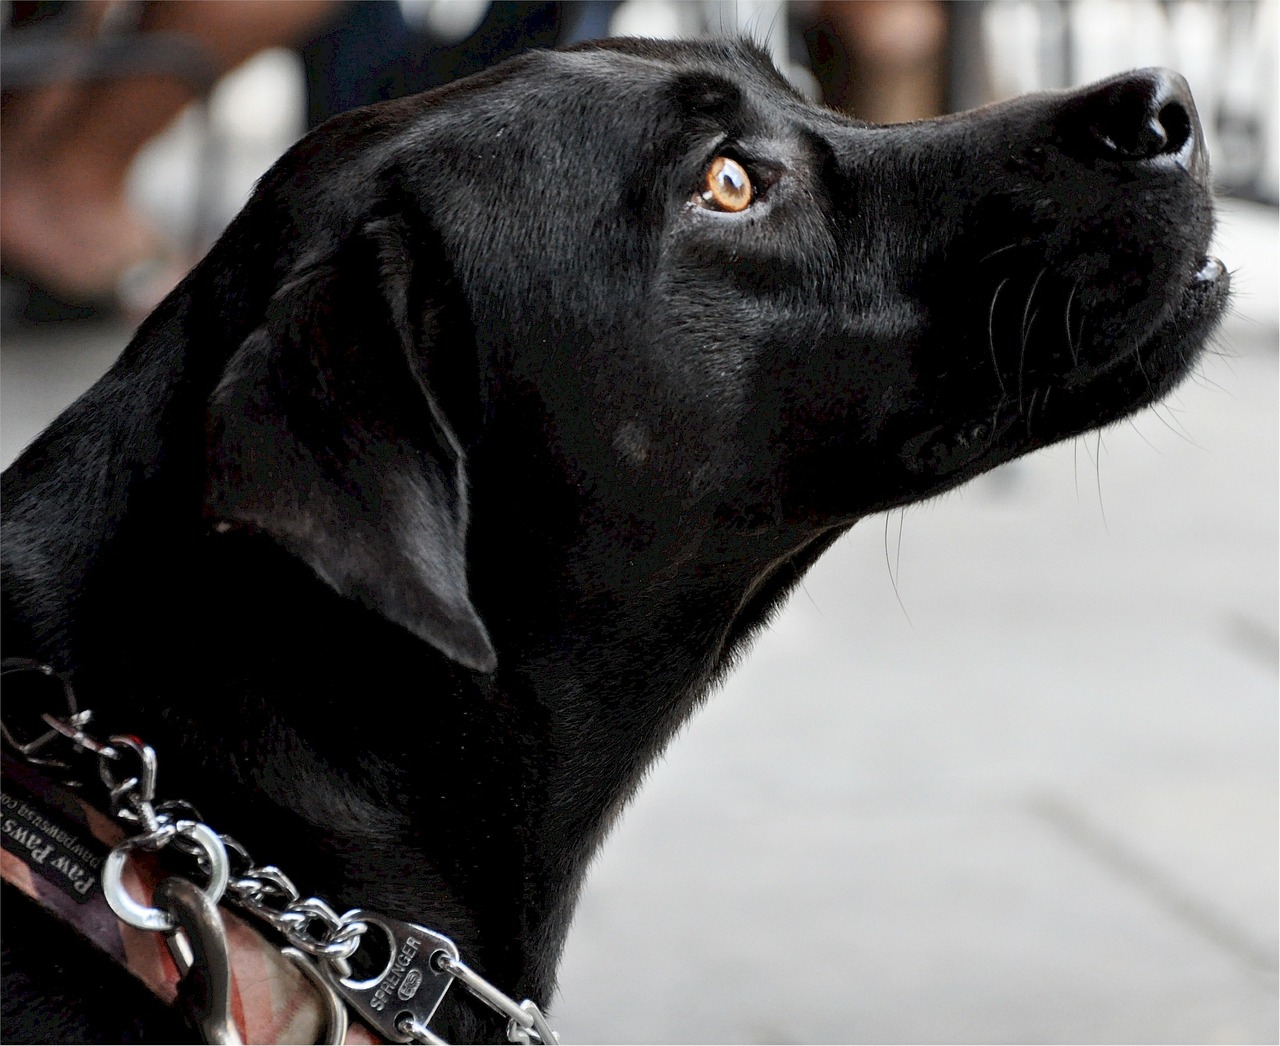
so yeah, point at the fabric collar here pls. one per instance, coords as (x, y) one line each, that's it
(53, 846)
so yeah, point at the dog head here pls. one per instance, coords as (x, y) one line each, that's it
(638, 299)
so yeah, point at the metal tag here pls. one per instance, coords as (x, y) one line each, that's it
(409, 985)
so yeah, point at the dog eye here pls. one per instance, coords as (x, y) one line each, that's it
(726, 187)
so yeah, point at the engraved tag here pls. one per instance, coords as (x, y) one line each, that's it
(407, 985)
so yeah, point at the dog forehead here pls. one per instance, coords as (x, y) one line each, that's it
(740, 59)
(650, 84)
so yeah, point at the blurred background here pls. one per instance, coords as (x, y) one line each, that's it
(1006, 768)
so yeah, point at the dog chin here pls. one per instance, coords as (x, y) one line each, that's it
(943, 456)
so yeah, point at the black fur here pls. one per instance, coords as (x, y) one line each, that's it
(413, 523)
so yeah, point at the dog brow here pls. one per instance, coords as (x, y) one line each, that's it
(706, 94)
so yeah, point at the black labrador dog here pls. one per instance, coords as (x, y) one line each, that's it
(413, 523)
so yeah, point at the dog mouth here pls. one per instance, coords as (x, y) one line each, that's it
(1076, 390)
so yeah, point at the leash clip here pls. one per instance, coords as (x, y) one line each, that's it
(198, 944)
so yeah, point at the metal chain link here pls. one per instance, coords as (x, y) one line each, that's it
(525, 1022)
(127, 768)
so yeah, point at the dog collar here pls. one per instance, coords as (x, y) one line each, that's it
(231, 981)
(55, 846)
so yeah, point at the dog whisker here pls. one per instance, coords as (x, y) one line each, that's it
(1075, 466)
(1022, 353)
(1071, 344)
(808, 595)
(991, 339)
(889, 562)
(897, 559)
(1178, 431)
(998, 250)
(1097, 474)
(1025, 330)
(1137, 359)
(1209, 383)
(1031, 409)
(1142, 436)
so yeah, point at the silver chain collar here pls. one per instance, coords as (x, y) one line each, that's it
(420, 966)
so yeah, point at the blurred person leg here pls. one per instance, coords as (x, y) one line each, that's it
(884, 61)
(65, 223)
(374, 50)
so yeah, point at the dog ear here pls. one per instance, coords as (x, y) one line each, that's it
(323, 433)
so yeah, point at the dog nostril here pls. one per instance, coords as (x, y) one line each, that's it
(1175, 124)
(1147, 115)
(1150, 140)
(1164, 133)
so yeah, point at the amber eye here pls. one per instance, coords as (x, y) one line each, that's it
(726, 186)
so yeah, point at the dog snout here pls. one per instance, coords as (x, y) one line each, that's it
(1144, 116)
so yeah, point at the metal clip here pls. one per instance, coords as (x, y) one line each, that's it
(334, 1030)
(131, 796)
(139, 915)
(69, 725)
(525, 1021)
(405, 992)
(200, 952)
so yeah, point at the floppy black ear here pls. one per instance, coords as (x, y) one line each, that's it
(324, 434)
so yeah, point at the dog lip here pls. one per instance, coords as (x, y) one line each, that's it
(944, 449)
(1210, 282)
(947, 449)
(1205, 291)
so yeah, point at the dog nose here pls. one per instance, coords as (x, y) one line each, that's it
(1148, 115)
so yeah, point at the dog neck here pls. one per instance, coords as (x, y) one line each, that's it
(372, 769)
